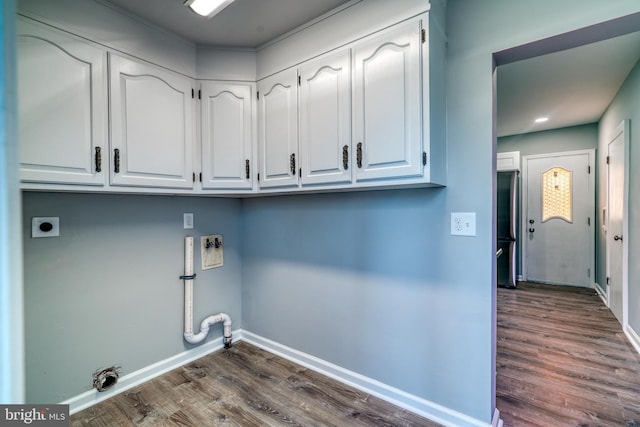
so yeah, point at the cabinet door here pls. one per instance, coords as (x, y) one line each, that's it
(387, 137)
(325, 120)
(151, 126)
(278, 129)
(227, 135)
(62, 107)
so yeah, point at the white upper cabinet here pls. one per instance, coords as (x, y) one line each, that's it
(278, 129)
(151, 126)
(387, 105)
(62, 107)
(325, 120)
(227, 136)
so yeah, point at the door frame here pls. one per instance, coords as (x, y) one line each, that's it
(623, 128)
(523, 207)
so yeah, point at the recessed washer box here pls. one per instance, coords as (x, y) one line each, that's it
(45, 226)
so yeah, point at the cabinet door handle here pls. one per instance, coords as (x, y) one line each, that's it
(359, 155)
(98, 159)
(292, 163)
(116, 160)
(247, 169)
(345, 157)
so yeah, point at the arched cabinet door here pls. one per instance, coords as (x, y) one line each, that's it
(388, 105)
(227, 135)
(325, 120)
(151, 126)
(278, 130)
(62, 111)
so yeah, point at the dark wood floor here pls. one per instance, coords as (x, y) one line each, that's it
(244, 386)
(563, 360)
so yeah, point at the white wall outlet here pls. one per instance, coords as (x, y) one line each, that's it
(463, 223)
(211, 251)
(188, 221)
(48, 226)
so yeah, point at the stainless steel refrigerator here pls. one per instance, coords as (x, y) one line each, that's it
(507, 220)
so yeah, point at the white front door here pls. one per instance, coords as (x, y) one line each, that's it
(559, 210)
(615, 222)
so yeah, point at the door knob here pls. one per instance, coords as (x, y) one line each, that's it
(531, 230)
(616, 238)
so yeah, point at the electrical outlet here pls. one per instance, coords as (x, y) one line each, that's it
(211, 251)
(463, 223)
(45, 227)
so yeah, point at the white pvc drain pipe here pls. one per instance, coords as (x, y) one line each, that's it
(188, 278)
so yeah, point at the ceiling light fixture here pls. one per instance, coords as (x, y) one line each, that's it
(208, 8)
(541, 119)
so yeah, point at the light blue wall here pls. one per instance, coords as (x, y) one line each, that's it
(572, 138)
(584, 137)
(12, 389)
(107, 291)
(626, 105)
(317, 278)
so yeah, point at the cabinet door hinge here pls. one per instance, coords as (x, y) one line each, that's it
(424, 158)
(608, 278)
(258, 176)
(588, 272)
(193, 93)
(247, 169)
(589, 221)
(194, 176)
(200, 176)
(589, 169)
(299, 81)
(257, 94)
(607, 159)
(199, 94)
(424, 35)
(300, 172)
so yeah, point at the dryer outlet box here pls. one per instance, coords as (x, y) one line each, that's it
(211, 250)
(48, 226)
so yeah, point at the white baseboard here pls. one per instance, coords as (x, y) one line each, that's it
(133, 379)
(601, 294)
(423, 407)
(633, 336)
(496, 421)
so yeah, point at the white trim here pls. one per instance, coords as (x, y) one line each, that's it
(591, 153)
(126, 382)
(622, 128)
(508, 161)
(496, 421)
(603, 296)
(415, 404)
(633, 337)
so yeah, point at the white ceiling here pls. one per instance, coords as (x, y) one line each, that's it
(242, 24)
(571, 87)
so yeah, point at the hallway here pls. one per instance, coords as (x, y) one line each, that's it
(563, 360)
